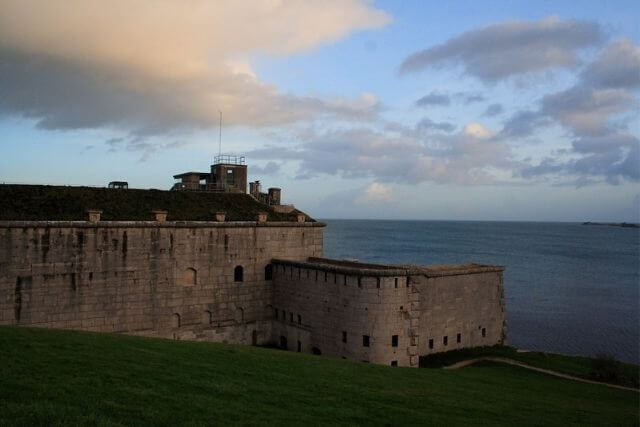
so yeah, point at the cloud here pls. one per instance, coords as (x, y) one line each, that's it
(493, 110)
(471, 156)
(511, 48)
(613, 158)
(269, 169)
(429, 124)
(602, 148)
(584, 110)
(433, 98)
(152, 67)
(618, 66)
(470, 98)
(523, 124)
(375, 193)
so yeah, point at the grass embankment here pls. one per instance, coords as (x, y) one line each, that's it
(51, 203)
(602, 368)
(61, 377)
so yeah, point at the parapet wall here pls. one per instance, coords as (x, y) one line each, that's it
(192, 280)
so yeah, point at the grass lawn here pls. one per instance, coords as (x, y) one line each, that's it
(597, 369)
(50, 377)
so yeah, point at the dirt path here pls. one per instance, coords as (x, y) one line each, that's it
(533, 368)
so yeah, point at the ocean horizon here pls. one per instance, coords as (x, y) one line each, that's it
(569, 288)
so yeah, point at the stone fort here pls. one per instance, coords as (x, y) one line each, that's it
(207, 261)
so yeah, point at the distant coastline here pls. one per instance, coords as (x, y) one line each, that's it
(614, 224)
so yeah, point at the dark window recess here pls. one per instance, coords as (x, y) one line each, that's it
(345, 279)
(431, 343)
(284, 315)
(325, 276)
(283, 342)
(268, 272)
(299, 320)
(344, 336)
(394, 363)
(299, 346)
(395, 282)
(291, 317)
(445, 340)
(407, 282)
(365, 340)
(335, 278)
(484, 332)
(316, 351)
(394, 341)
(238, 274)
(458, 338)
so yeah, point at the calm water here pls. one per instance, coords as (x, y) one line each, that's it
(569, 288)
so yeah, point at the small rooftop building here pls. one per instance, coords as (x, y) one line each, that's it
(228, 174)
(119, 184)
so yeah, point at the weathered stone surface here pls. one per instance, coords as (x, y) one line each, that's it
(147, 278)
(334, 298)
(242, 282)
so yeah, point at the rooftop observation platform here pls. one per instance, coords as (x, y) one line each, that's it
(66, 203)
(364, 269)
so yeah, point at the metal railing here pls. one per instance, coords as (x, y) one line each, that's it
(229, 159)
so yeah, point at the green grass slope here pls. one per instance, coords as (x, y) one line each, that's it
(50, 203)
(603, 368)
(50, 377)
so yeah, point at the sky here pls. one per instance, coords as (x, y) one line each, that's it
(466, 110)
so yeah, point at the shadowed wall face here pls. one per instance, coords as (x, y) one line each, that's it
(169, 281)
(391, 318)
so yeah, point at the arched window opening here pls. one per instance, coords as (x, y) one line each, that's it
(316, 351)
(176, 320)
(207, 317)
(239, 316)
(238, 274)
(190, 277)
(268, 272)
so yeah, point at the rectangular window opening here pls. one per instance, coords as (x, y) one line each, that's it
(458, 338)
(365, 340)
(395, 283)
(431, 343)
(344, 336)
(445, 340)
(394, 341)
(394, 363)
(299, 346)
(484, 332)
(299, 319)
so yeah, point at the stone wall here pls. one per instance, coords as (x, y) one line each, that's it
(385, 314)
(461, 310)
(174, 279)
(331, 312)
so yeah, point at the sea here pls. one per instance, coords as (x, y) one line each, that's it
(569, 288)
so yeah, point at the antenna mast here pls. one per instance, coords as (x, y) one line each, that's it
(220, 135)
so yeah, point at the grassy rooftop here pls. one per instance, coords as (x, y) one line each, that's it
(51, 377)
(51, 203)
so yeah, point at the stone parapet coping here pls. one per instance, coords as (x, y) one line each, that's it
(460, 269)
(349, 270)
(362, 269)
(155, 224)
